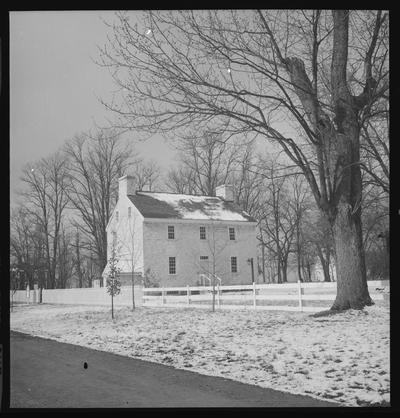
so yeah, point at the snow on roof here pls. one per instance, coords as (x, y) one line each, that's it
(182, 206)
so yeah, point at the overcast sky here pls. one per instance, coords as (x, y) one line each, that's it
(55, 85)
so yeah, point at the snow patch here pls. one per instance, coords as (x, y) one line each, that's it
(212, 208)
(343, 358)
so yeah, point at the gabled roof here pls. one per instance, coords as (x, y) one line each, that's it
(183, 206)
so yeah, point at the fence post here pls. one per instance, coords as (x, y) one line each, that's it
(300, 293)
(254, 295)
(218, 295)
(188, 295)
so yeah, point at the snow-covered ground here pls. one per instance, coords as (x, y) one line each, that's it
(342, 358)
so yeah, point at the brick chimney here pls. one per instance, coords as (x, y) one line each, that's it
(225, 191)
(127, 185)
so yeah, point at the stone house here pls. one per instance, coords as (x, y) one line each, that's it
(181, 240)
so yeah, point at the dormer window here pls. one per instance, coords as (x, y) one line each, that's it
(171, 232)
(232, 235)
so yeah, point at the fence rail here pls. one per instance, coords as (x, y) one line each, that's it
(255, 293)
(78, 296)
(288, 296)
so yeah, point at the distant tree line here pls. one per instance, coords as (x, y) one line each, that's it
(58, 226)
(292, 233)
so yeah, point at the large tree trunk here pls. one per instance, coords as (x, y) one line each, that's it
(338, 152)
(352, 289)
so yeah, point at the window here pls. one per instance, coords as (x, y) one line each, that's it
(234, 264)
(171, 232)
(204, 257)
(202, 232)
(129, 212)
(117, 215)
(232, 234)
(172, 265)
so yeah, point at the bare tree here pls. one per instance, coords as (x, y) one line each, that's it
(95, 164)
(181, 180)
(376, 183)
(216, 242)
(79, 260)
(278, 218)
(317, 234)
(208, 158)
(248, 181)
(65, 262)
(376, 231)
(25, 245)
(211, 263)
(319, 71)
(46, 199)
(299, 202)
(130, 251)
(375, 148)
(146, 173)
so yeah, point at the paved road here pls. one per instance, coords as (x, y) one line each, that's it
(49, 374)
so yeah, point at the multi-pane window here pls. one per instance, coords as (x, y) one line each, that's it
(204, 257)
(171, 232)
(129, 212)
(234, 264)
(202, 232)
(117, 215)
(232, 234)
(172, 265)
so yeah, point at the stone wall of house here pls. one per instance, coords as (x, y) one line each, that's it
(187, 247)
(129, 230)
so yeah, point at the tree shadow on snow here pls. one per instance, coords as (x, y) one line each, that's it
(332, 312)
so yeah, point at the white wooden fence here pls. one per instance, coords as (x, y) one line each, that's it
(79, 296)
(287, 296)
(255, 296)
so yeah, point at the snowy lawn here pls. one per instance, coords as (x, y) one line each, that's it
(342, 358)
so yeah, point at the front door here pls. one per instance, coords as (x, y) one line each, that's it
(204, 269)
